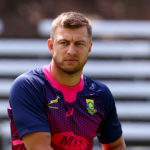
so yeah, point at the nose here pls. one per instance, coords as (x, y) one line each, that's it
(71, 49)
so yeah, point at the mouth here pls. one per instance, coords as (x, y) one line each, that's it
(71, 60)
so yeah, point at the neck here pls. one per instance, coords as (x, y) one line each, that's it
(65, 78)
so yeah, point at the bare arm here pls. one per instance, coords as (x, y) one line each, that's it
(37, 141)
(117, 145)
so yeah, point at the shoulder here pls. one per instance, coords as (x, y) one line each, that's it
(27, 88)
(35, 75)
(102, 91)
(32, 78)
(96, 86)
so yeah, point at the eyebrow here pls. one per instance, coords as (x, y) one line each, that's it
(80, 40)
(63, 39)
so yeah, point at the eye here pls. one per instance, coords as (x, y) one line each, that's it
(64, 43)
(79, 43)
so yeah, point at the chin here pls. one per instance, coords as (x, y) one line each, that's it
(71, 70)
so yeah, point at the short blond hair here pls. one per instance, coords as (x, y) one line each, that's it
(71, 20)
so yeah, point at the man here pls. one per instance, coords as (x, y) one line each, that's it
(58, 108)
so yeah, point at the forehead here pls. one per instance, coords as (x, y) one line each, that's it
(75, 34)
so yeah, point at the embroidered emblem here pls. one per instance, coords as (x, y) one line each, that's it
(90, 106)
(53, 102)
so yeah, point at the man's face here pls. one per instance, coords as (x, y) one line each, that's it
(70, 49)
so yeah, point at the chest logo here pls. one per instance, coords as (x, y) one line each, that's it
(52, 103)
(70, 112)
(69, 141)
(90, 106)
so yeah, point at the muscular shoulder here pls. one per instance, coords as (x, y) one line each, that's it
(29, 78)
(27, 101)
(29, 82)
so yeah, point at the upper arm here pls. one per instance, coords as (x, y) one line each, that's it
(110, 128)
(37, 141)
(27, 103)
(117, 145)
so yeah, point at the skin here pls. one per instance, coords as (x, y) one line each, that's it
(37, 141)
(70, 49)
(117, 145)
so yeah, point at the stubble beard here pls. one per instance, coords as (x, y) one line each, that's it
(69, 71)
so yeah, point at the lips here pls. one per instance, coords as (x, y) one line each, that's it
(71, 60)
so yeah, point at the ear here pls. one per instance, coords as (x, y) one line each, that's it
(50, 45)
(91, 44)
